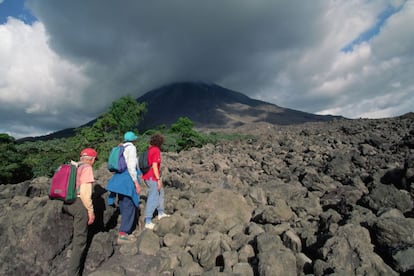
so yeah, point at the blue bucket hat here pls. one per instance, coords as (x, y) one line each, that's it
(130, 136)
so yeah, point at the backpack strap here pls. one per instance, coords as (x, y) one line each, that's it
(79, 169)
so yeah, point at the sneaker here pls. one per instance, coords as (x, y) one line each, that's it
(163, 215)
(149, 226)
(69, 253)
(124, 239)
(136, 233)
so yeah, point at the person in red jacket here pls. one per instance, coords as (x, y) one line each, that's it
(152, 178)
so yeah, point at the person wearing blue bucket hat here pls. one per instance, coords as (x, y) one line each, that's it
(130, 136)
(126, 186)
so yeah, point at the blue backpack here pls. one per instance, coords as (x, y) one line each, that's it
(116, 160)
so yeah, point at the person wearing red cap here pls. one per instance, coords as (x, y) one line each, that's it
(81, 209)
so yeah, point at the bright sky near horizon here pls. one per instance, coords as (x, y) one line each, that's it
(62, 63)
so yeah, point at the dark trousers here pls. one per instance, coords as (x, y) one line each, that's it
(80, 233)
(127, 209)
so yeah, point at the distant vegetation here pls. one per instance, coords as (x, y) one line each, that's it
(14, 169)
(20, 162)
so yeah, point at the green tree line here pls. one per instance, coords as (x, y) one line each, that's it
(27, 160)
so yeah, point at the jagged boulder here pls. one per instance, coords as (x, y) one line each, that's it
(274, 258)
(350, 252)
(33, 232)
(228, 207)
(395, 237)
(388, 196)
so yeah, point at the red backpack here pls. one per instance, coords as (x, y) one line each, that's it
(63, 184)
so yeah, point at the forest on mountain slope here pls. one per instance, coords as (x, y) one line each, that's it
(22, 161)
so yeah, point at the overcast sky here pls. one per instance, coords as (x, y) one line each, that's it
(62, 63)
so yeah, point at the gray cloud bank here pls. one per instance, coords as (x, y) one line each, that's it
(69, 66)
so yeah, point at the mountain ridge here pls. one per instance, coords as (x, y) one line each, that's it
(213, 106)
(208, 105)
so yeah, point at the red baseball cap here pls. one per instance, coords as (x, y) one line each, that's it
(89, 152)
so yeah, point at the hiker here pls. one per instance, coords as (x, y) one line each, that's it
(152, 178)
(126, 185)
(81, 209)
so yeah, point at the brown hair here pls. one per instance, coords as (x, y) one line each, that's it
(157, 140)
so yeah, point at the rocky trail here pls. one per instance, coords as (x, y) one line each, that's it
(312, 199)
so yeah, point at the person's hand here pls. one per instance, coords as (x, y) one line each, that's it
(137, 187)
(159, 187)
(91, 218)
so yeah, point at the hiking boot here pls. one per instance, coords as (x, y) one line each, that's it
(124, 239)
(149, 226)
(163, 215)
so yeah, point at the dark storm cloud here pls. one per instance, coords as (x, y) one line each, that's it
(148, 43)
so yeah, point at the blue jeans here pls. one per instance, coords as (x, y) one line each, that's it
(155, 199)
(127, 209)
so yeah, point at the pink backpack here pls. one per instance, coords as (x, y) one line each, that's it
(63, 184)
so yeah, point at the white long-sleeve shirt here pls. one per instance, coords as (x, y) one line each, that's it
(130, 154)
